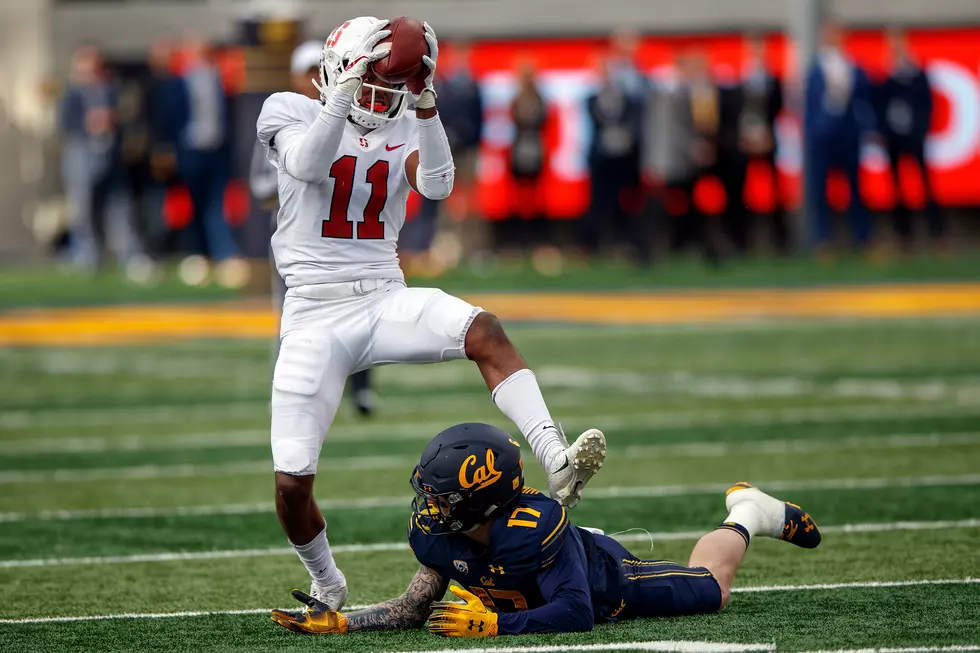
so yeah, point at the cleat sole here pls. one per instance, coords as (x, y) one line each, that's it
(588, 456)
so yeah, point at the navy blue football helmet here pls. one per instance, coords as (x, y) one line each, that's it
(466, 475)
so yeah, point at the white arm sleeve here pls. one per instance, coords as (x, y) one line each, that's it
(436, 170)
(306, 152)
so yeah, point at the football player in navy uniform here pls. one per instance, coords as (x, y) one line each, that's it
(522, 567)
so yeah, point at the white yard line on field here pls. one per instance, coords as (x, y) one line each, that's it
(144, 615)
(668, 646)
(423, 431)
(653, 419)
(749, 589)
(794, 415)
(955, 648)
(148, 442)
(691, 449)
(703, 449)
(107, 416)
(386, 547)
(857, 585)
(143, 472)
(717, 385)
(354, 503)
(183, 440)
(600, 493)
(642, 491)
(800, 445)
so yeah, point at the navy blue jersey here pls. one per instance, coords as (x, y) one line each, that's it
(544, 575)
(534, 571)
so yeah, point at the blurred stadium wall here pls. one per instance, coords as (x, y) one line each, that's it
(38, 36)
(134, 22)
(26, 58)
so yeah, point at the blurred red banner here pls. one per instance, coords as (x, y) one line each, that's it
(566, 69)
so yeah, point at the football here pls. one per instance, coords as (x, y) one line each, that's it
(408, 46)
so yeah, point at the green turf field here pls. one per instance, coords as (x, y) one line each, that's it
(137, 480)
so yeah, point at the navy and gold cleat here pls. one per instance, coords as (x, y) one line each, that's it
(799, 528)
(780, 519)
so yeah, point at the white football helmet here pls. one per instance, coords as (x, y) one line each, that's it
(374, 105)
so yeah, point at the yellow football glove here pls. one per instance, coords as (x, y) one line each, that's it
(316, 619)
(469, 619)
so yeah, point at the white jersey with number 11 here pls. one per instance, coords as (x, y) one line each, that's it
(346, 227)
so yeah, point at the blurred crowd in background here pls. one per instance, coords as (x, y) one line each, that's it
(146, 162)
(147, 158)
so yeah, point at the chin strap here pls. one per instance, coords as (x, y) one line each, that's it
(319, 87)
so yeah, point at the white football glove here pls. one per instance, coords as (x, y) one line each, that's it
(363, 55)
(421, 85)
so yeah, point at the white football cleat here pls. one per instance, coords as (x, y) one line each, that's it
(572, 469)
(334, 596)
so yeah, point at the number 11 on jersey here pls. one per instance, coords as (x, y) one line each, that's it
(338, 225)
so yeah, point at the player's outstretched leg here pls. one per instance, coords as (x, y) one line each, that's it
(721, 552)
(764, 515)
(307, 388)
(516, 393)
(306, 529)
(751, 513)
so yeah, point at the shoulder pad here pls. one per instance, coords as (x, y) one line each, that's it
(282, 109)
(557, 527)
(532, 533)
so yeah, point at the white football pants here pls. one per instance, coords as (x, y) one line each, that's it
(330, 331)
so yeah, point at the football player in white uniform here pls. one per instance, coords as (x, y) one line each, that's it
(264, 184)
(346, 163)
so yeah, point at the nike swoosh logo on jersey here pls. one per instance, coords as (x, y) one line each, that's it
(392, 149)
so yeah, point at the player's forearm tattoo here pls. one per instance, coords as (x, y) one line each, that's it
(410, 610)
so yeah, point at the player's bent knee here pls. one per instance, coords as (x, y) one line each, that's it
(486, 337)
(710, 594)
(294, 490)
(726, 594)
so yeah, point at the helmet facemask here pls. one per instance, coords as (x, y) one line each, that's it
(377, 101)
(443, 513)
(467, 476)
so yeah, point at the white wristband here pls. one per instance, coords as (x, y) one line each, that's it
(339, 103)
(427, 100)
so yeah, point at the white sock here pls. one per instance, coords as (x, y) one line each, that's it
(761, 516)
(318, 559)
(519, 398)
(748, 517)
